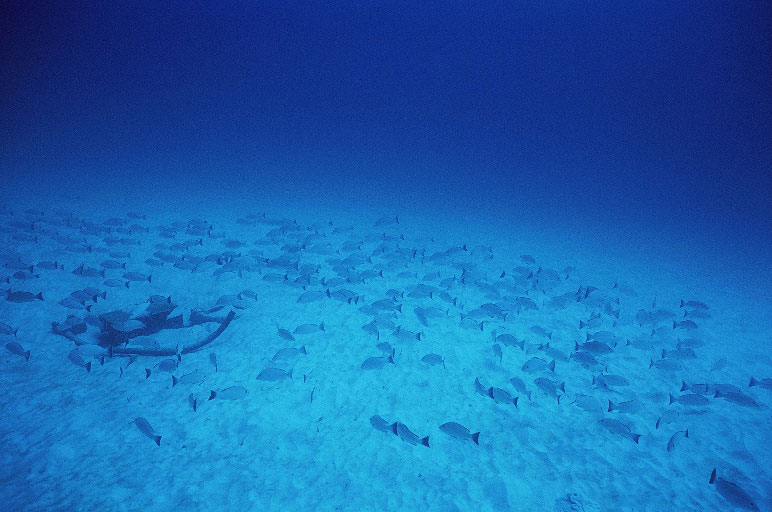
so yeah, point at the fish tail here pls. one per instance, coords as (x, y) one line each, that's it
(212, 394)
(88, 366)
(476, 438)
(425, 441)
(26, 355)
(636, 437)
(753, 382)
(672, 399)
(157, 440)
(713, 477)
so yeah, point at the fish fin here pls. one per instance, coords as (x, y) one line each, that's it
(174, 381)
(157, 440)
(753, 382)
(476, 438)
(212, 394)
(712, 477)
(636, 437)
(425, 441)
(672, 398)
(88, 366)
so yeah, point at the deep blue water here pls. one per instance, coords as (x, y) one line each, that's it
(633, 141)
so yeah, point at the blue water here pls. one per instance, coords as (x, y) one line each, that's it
(265, 149)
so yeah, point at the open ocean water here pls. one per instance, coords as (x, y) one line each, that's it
(386, 256)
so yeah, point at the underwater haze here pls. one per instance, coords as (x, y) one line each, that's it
(386, 256)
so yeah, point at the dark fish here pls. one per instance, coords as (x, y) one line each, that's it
(676, 438)
(403, 432)
(587, 403)
(690, 399)
(738, 398)
(14, 348)
(144, 426)
(7, 330)
(195, 377)
(309, 328)
(763, 383)
(550, 387)
(628, 407)
(136, 276)
(458, 431)
(375, 363)
(380, 424)
(502, 396)
(289, 353)
(193, 401)
(694, 304)
(510, 341)
(617, 427)
(519, 386)
(231, 393)
(274, 374)
(77, 360)
(732, 492)
(23, 296)
(434, 360)
(536, 364)
(284, 333)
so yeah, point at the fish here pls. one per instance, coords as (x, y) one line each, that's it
(587, 403)
(550, 387)
(309, 328)
(628, 407)
(137, 276)
(497, 352)
(690, 399)
(196, 377)
(274, 374)
(380, 424)
(695, 304)
(519, 386)
(738, 398)
(404, 433)
(502, 396)
(231, 393)
(510, 341)
(285, 334)
(676, 439)
(732, 492)
(458, 431)
(77, 360)
(19, 297)
(144, 426)
(763, 383)
(289, 353)
(434, 360)
(310, 296)
(536, 364)
(375, 363)
(15, 348)
(7, 330)
(617, 427)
